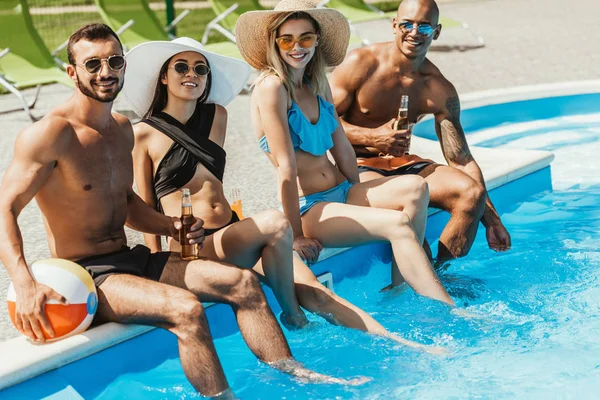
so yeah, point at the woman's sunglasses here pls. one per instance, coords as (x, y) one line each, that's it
(287, 42)
(182, 68)
(94, 65)
(422, 29)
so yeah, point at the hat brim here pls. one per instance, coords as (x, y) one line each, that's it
(251, 34)
(145, 61)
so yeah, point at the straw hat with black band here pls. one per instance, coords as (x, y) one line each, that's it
(145, 61)
(251, 31)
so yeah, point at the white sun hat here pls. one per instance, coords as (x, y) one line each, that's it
(145, 61)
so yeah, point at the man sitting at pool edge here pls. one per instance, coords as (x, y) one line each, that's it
(76, 162)
(367, 88)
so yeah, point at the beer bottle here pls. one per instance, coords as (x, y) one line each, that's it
(401, 123)
(188, 251)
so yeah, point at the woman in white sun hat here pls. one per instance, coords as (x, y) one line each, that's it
(181, 90)
(297, 125)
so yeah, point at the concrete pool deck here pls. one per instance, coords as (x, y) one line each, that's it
(526, 43)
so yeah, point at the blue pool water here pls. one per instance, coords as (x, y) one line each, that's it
(534, 312)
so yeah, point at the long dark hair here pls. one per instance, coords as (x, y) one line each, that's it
(159, 102)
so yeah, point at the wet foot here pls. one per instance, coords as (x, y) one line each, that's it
(294, 322)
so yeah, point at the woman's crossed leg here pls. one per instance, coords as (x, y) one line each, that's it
(360, 221)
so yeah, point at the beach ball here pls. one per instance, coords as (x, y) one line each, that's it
(75, 284)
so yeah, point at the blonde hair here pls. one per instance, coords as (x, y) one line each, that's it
(314, 73)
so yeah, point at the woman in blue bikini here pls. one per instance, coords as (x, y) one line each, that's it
(297, 125)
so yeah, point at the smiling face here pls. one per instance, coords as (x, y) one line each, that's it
(297, 33)
(187, 85)
(104, 85)
(415, 13)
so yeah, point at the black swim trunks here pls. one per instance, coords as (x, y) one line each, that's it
(233, 220)
(138, 261)
(411, 169)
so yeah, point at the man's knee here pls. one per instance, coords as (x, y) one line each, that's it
(472, 199)
(188, 317)
(274, 224)
(463, 194)
(247, 290)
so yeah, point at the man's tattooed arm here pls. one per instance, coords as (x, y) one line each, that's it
(456, 151)
(451, 135)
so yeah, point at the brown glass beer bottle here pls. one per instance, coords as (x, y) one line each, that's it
(188, 251)
(401, 123)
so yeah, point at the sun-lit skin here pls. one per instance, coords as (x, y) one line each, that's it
(104, 85)
(298, 57)
(412, 44)
(188, 86)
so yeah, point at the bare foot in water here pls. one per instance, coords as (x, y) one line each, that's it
(297, 370)
(436, 350)
(293, 322)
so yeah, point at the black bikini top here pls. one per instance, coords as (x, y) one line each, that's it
(191, 146)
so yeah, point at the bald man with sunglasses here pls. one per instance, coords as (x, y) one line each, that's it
(367, 89)
(77, 163)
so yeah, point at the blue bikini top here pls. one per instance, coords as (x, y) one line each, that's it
(311, 138)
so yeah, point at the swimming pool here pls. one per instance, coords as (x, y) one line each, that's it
(534, 314)
(535, 319)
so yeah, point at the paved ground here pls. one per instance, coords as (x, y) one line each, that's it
(527, 42)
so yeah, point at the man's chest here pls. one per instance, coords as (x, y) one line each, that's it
(379, 98)
(102, 166)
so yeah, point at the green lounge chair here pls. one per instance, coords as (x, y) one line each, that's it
(230, 17)
(141, 23)
(145, 26)
(25, 61)
(228, 46)
(355, 10)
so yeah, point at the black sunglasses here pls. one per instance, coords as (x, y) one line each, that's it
(199, 69)
(94, 65)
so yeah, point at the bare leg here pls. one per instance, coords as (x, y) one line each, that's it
(318, 299)
(340, 225)
(408, 193)
(457, 193)
(218, 282)
(266, 236)
(133, 300)
(240, 288)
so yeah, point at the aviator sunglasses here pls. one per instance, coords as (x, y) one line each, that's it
(182, 68)
(94, 65)
(287, 42)
(422, 29)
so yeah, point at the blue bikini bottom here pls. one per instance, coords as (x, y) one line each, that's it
(337, 194)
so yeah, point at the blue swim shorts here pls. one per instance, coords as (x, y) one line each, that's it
(337, 194)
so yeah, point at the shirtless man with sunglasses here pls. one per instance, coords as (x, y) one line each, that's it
(77, 164)
(367, 88)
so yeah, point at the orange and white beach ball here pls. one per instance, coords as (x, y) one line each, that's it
(75, 284)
